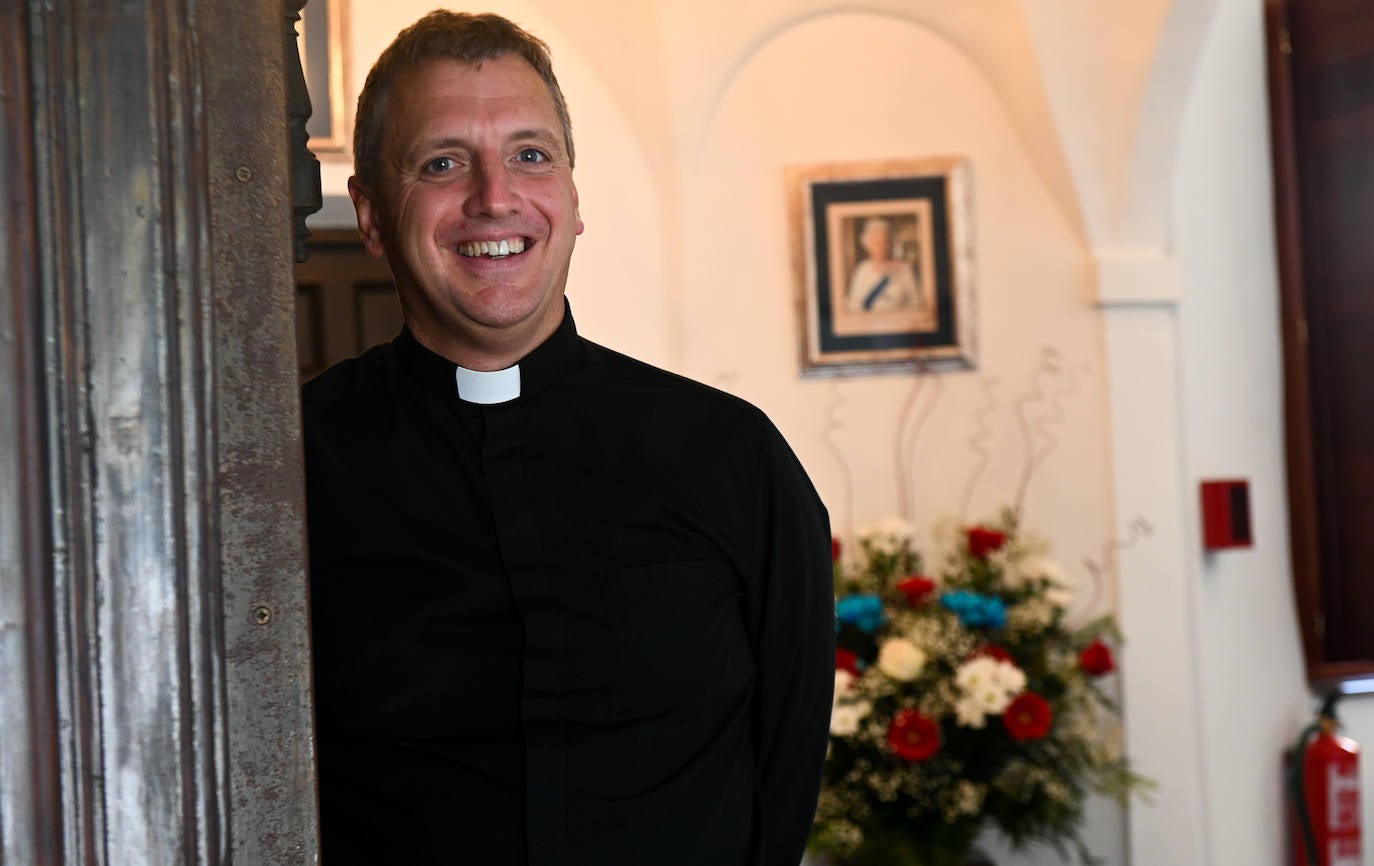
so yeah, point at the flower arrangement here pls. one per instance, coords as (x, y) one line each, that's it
(963, 698)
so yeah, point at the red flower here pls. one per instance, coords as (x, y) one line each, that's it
(916, 589)
(846, 661)
(1028, 717)
(913, 737)
(1096, 659)
(982, 541)
(993, 651)
(834, 549)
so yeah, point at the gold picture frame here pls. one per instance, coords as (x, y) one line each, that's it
(323, 36)
(883, 254)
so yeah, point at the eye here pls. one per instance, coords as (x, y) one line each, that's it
(531, 156)
(439, 165)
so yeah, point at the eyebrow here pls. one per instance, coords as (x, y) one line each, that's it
(546, 137)
(542, 136)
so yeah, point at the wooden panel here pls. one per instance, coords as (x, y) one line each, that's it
(356, 304)
(378, 314)
(309, 330)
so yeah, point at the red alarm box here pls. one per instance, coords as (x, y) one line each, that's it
(1226, 514)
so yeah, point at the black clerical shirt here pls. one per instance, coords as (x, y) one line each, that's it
(590, 626)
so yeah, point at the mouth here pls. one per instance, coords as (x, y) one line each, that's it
(498, 249)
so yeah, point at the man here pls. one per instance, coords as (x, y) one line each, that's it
(568, 609)
(880, 282)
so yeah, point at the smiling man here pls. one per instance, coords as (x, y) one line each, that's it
(568, 609)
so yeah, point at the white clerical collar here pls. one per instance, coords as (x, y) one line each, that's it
(497, 386)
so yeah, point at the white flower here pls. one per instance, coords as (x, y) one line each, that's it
(887, 536)
(1032, 614)
(845, 718)
(896, 527)
(965, 798)
(1030, 568)
(969, 713)
(844, 681)
(1009, 678)
(993, 700)
(988, 684)
(1043, 568)
(977, 672)
(1060, 597)
(901, 659)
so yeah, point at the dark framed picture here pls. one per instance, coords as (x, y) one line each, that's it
(884, 259)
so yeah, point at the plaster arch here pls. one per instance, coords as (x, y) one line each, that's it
(992, 36)
(1117, 77)
(1155, 149)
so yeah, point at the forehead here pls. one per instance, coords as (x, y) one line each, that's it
(446, 92)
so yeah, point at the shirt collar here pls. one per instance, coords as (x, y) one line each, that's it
(560, 354)
(486, 387)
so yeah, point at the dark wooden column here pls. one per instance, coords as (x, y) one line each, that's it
(152, 598)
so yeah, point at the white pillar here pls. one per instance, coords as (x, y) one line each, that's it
(1138, 291)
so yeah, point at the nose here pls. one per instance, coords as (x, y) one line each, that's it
(491, 194)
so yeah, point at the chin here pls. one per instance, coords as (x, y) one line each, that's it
(507, 312)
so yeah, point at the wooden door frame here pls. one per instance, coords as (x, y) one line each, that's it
(30, 790)
(151, 500)
(1301, 442)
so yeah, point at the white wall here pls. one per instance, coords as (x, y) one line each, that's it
(857, 86)
(1123, 225)
(1249, 651)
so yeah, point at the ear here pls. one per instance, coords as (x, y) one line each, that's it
(369, 217)
(577, 215)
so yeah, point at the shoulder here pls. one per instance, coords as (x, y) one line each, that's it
(720, 438)
(711, 440)
(648, 388)
(349, 388)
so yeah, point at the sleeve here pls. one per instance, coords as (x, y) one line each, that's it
(794, 644)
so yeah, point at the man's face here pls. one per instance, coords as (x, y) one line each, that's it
(475, 207)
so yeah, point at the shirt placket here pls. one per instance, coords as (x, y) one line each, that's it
(521, 510)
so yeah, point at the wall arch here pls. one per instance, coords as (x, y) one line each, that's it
(993, 38)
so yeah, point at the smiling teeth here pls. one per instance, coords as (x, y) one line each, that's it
(494, 249)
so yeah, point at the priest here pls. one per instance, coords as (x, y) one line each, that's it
(568, 609)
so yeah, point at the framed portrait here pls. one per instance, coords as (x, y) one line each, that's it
(884, 259)
(323, 30)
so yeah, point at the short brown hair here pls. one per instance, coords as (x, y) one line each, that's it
(444, 35)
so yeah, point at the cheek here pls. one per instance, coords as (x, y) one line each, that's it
(424, 222)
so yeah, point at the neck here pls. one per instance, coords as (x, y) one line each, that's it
(485, 350)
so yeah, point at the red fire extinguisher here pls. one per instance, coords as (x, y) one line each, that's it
(1324, 785)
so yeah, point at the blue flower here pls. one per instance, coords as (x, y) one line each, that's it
(976, 610)
(864, 612)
